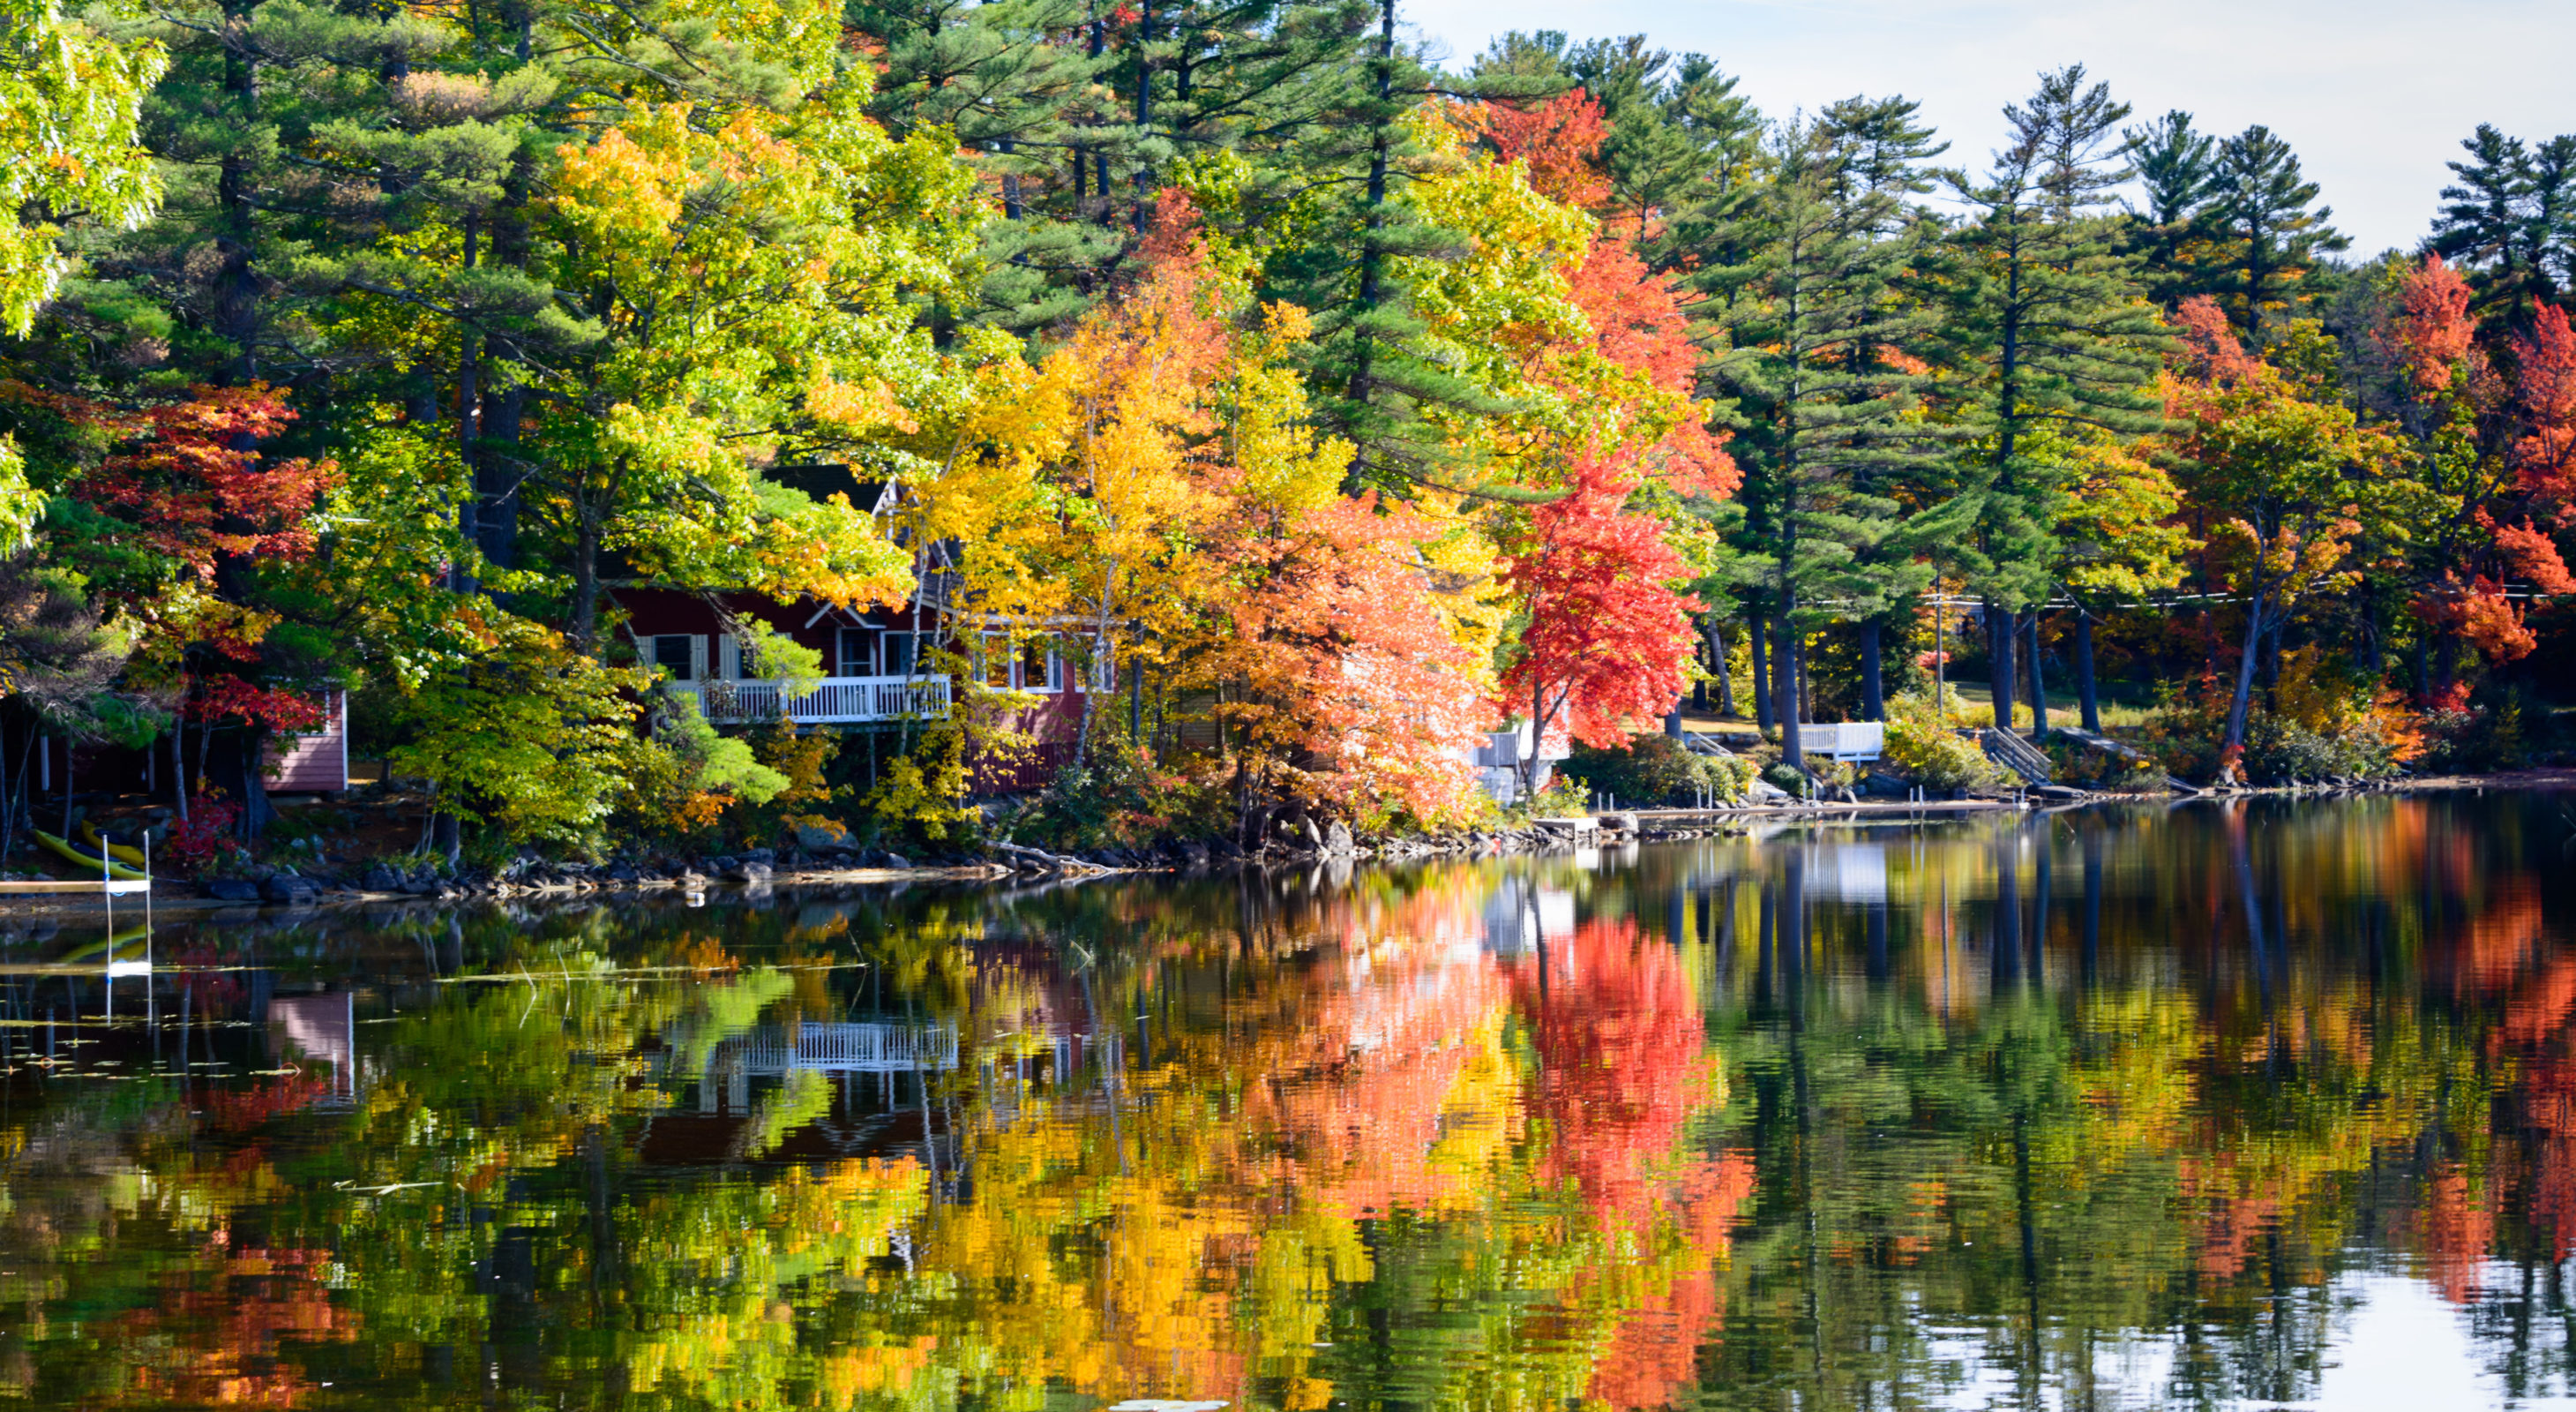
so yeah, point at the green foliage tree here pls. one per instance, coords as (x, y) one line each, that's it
(2050, 320)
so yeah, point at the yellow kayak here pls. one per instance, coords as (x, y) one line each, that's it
(89, 861)
(134, 856)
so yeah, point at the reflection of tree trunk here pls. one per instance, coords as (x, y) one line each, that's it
(2007, 958)
(2092, 907)
(2039, 908)
(1878, 942)
(2022, 1199)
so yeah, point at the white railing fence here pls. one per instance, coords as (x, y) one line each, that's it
(833, 700)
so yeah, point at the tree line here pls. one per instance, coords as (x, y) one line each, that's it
(1354, 403)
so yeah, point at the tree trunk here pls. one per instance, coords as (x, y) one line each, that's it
(1785, 699)
(1719, 651)
(585, 582)
(2084, 688)
(2244, 695)
(2001, 629)
(1873, 695)
(1760, 626)
(2038, 688)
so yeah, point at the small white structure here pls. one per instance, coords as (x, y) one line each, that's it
(1498, 761)
(1844, 740)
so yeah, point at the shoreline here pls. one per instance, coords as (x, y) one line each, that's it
(1016, 864)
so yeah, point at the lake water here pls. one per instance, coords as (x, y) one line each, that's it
(2210, 1106)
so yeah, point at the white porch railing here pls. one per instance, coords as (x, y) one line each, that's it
(851, 1048)
(833, 701)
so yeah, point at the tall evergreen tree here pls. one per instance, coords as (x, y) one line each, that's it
(1826, 414)
(2510, 219)
(2049, 317)
(2175, 164)
(2270, 242)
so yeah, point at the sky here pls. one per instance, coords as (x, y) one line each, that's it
(2374, 95)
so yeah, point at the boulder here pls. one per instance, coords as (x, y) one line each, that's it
(896, 860)
(1337, 840)
(755, 872)
(381, 879)
(1885, 786)
(820, 835)
(291, 890)
(230, 889)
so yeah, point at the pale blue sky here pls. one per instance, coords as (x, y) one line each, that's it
(2374, 94)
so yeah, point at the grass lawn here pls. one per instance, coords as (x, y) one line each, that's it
(2122, 714)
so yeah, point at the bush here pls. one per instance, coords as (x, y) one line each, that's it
(1655, 770)
(2073, 762)
(1924, 746)
(2467, 739)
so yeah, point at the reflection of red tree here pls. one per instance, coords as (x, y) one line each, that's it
(1365, 1082)
(1655, 1354)
(2535, 1038)
(216, 1330)
(1619, 1047)
(1622, 1068)
(2458, 1227)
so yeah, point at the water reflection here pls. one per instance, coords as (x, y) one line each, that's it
(2202, 1106)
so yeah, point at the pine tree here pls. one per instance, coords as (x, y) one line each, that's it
(2175, 164)
(2510, 219)
(1350, 229)
(1827, 417)
(2049, 317)
(2270, 242)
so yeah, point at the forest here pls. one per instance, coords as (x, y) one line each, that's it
(1326, 408)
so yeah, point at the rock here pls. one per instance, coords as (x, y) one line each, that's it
(1314, 838)
(1885, 786)
(230, 889)
(755, 873)
(760, 855)
(1764, 789)
(421, 886)
(818, 836)
(2059, 792)
(1337, 840)
(896, 861)
(693, 880)
(1622, 821)
(381, 879)
(291, 890)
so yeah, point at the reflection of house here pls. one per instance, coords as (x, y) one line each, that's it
(324, 1029)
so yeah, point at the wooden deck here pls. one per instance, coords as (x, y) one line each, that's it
(95, 887)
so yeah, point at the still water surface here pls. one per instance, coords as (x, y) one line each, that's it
(2209, 1107)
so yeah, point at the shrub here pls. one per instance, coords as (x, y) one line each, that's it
(2073, 762)
(1925, 747)
(1656, 770)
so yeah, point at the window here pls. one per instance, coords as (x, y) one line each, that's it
(858, 653)
(674, 653)
(995, 665)
(1041, 667)
(897, 653)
